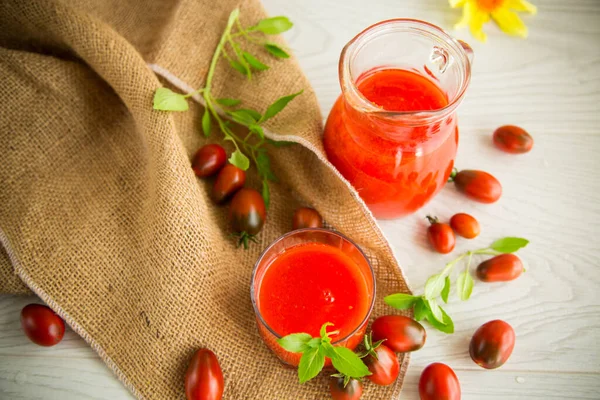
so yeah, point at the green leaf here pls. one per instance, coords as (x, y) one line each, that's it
(447, 327)
(252, 113)
(266, 193)
(273, 25)
(206, 122)
(228, 102)
(258, 130)
(314, 342)
(296, 342)
(420, 309)
(446, 290)
(311, 363)
(348, 363)
(435, 311)
(240, 160)
(323, 330)
(464, 285)
(401, 301)
(242, 117)
(509, 244)
(239, 66)
(254, 62)
(276, 50)
(263, 164)
(327, 349)
(279, 143)
(434, 286)
(167, 100)
(279, 105)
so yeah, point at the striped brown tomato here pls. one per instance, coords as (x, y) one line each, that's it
(208, 160)
(204, 378)
(441, 236)
(512, 139)
(341, 390)
(502, 268)
(477, 185)
(381, 361)
(401, 334)
(230, 180)
(305, 217)
(492, 344)
(247, 214)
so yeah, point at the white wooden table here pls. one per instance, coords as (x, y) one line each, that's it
(550, 85)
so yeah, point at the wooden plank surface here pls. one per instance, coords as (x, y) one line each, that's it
(550, 85)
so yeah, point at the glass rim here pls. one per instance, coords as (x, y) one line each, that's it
(253, 295)
(351, 48)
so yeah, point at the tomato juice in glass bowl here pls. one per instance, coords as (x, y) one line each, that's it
(393, 131)
(307, 278)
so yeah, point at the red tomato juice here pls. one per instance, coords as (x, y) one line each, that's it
(395, 164)
(308, 285)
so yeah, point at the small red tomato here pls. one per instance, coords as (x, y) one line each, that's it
(441, 236)
(230, 180)
(502, 268)
(352, 391)
(439, 382)
(41, 325)
(465, 225)
(247, 214)
(305, 217)
(208, 160)
(401, 334)
(204, 378)
(492, 344)
(478, 185)
(512, 139)
(383, 364)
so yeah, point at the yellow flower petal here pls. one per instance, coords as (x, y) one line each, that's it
(510, 22)
(467, 15)
(521, 5)
(456, 3)
(476, 23)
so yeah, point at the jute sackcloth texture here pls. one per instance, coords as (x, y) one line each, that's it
(101, 215)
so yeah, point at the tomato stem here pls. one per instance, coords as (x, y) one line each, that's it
(432, 220)
(453, 174)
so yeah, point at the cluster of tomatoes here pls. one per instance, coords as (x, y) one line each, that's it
(247, 211)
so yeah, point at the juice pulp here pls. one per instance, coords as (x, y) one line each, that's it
(308, 285)
(395, 166)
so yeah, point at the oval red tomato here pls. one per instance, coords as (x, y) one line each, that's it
(439, 382)
(502, 268)
(383, 365)
(441, 236)
(492, 344)
(478, 185)
(204, 378)
(208, 160)
(513, 139)
(230, 180)
(352, 391)
(305, 217)
(41, 325)
(401, 334)
(465, 225)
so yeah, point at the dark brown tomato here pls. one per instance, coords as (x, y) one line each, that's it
(384, 367)
(513, 139)
(41, 325)
(465, 225)
(208, 160)
(478, 185)
(439, 382)
(247, 212)
(230, 180)
(204, 378)
(502, 268)
(492, 344)
(441, 236)
(401, 334)
(352, 391)
(305, 217)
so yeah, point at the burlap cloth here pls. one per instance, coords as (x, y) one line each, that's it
(101, 215)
